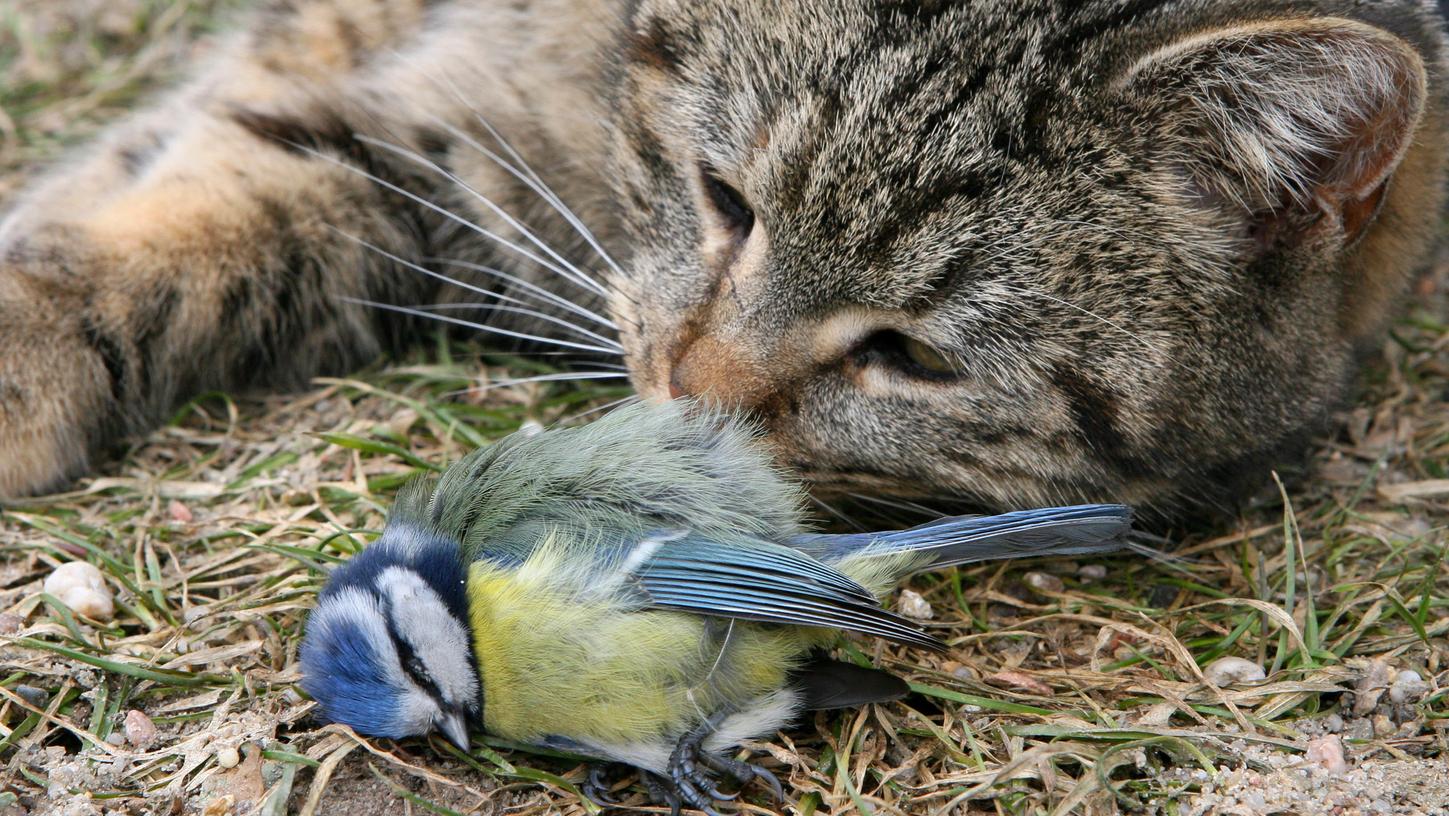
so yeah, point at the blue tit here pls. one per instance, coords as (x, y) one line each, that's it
(640, 590)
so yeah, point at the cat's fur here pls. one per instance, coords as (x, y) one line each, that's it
(1149, 236)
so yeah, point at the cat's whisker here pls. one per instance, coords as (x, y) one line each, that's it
(1119, 327)
(629, 400)
(560, 264)
(533, 289)
(529, 178)
(445, 212)
(522, 310)
(519, 168)
(835, 512)
(562, 376)
(898, 504)
(1130, 235)
(532, 338)
(613, 344)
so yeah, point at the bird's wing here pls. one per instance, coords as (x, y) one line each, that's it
(757, 580)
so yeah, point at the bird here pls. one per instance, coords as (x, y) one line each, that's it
(642, 590)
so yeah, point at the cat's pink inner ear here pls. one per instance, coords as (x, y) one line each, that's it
(1308, 112)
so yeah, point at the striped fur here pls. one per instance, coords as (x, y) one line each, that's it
(1020, 251)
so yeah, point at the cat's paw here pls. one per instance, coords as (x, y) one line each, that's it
(54, 392)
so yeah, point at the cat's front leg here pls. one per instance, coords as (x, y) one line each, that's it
(209, 242)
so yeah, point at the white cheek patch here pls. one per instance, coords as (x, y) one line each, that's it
(438, 639)
(417, 711)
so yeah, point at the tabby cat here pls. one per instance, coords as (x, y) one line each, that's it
(1018, 251)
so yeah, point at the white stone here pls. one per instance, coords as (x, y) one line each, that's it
(81, 587)
(1227, 671)
(912, 605)
(228, 757)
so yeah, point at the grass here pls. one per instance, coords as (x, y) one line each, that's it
(1066, 689)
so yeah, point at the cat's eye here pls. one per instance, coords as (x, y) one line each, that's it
(909, 355)
(728, 203)
(927, 357)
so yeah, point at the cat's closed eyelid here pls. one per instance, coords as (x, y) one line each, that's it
(908, 355)
(727, 202)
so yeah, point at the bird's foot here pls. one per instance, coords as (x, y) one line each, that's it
(690, 779)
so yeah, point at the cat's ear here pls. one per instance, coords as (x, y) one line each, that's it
(1310, 116)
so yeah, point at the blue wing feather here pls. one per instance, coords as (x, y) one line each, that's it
(757, 580)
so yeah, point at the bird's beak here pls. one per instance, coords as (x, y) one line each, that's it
(454, 726)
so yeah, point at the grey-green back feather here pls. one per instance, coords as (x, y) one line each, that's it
(636, 469)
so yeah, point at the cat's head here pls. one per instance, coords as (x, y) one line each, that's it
(1020, 252)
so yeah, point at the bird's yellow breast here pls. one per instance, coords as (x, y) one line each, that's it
(559, 657)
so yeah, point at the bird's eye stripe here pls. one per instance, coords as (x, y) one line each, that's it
(412, 665)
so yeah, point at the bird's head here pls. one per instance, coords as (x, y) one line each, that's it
(387, 650)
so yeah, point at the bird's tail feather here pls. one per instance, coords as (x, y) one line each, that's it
(1056, 531)
(948, 542)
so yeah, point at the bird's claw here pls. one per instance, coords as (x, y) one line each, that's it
(744, 773)
(661, 792)
(690, 781)
(598, 787)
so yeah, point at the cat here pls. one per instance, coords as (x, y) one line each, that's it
(1015, 252)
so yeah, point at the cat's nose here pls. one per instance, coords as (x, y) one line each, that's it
(721, 372)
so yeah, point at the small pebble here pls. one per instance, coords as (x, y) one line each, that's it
(228, 757)
(116, 738)
(1383, 726)
(140, 731)
(1408, 688)
(1370, 686)
(1092, 572)
(1157, 715)
(1162, 596)
(959, 671)
(1044, 583)
(1327, 753)
(179, 512)
(912, 605)
(80, 586)
(37, 697)
(10, 624)
(1227, 671)
(1333, 723)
